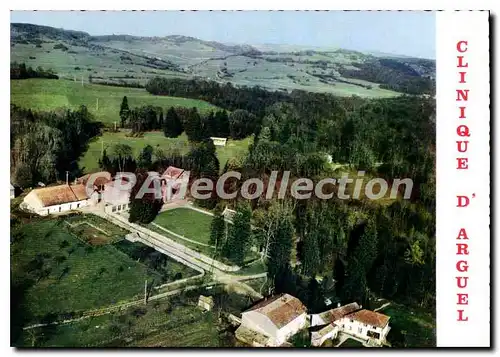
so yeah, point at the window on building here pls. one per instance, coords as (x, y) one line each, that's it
(77, 205)
(352, 320)
(59, 208)
(350, 327)
(113, 209)
(360, 329)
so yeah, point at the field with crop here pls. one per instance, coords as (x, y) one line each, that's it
(54, 272)
(173, 322)
(103, 101)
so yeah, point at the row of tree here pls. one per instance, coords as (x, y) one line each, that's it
(20, 71)
(176, 120)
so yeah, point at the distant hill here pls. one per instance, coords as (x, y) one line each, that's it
(122, 59)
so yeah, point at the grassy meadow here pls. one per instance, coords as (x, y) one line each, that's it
(186, 222)
(50, 94)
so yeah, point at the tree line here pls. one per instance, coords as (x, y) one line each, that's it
(44, 145)
(20, 71)
(237, 125)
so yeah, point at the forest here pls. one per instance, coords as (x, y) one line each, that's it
(394, 75)
(368, 249)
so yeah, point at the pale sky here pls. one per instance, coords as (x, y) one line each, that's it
(410, 33)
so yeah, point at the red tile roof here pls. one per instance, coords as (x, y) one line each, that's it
(339, 312)
(172, 172)
(101, 178)
(280, 309)
(56, 195)
(370, 318)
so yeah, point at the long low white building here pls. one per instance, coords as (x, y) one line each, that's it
(56, 199)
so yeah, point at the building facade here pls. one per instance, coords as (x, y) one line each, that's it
(277, 318)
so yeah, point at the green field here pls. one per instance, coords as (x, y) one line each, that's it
(186, 222)
(55, 272)
(49, 94)
(234, 149)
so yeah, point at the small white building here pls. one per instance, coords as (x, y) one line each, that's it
(206, 302)
(365, 324)
(56, 199)
(116, 196)
(276, 319)
(12, 191)
(219, 141)
(228, 214)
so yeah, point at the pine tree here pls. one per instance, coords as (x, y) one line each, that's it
(105, 163)
(218, 229)
(221, 124)
(240, 235)
(124, 111)
(194, 127)
(311, 256)
(172, 126)
(145, 209)
(145, 158)
(280, 247)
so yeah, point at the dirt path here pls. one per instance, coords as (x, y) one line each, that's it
(382, 307)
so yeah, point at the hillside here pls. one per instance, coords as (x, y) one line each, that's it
(132, 59)
(102, 101)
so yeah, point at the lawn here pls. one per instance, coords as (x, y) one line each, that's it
(49, 94)
(195, 226)
(186, 222)
(89, 162)
(56, 273)
(410, 327)
(234, 149)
